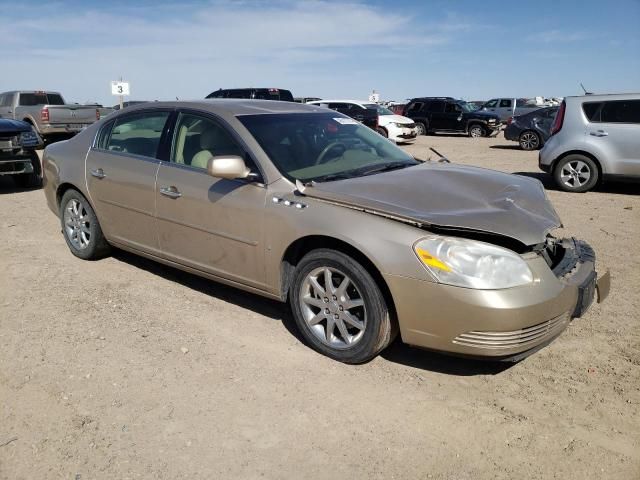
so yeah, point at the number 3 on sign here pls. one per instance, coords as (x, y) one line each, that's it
(119, 88)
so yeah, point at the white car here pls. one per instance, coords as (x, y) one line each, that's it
(396, 128)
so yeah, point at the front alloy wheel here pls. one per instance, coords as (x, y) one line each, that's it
(476, 131)
(339, 308)
(333, 307)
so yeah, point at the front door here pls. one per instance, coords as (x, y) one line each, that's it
(452, 117)
(121, 178)
(211, 224)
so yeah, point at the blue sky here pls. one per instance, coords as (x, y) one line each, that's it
(466, 49)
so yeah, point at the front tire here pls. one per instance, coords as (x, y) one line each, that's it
(476, 131)
(529, 140)
(382, 132)
(422, 128)
(339, 308)
(576, 173)
(81, 228)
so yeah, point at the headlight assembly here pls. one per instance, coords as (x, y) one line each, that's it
(472, 264)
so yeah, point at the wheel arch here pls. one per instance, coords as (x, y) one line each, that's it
(580, 152)
(300, 247)
(64, 188)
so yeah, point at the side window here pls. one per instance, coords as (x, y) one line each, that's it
(592, 111)
(621, 111)
(197, 139)
(415, 107)
(238, 94)
(506, 103)
(453, 108)
(2, 100)
(339, 107)
(491, 103)
(103, 136)
(138, 134)
(437, 106)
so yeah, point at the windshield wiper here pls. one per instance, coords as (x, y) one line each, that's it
(384, 168)
(333, 176)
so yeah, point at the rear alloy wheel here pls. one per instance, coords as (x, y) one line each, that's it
(382, 132)
(338, 307)
(421, 128)
(477, 131)
(529, 140)
(81, 228)
(576, 173)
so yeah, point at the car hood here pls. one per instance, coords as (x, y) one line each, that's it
(453, 196)
(482, 114)
(7, 125)
(394, 119)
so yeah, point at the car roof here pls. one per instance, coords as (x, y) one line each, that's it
(342, 100)
(233, 106)
(608, 96)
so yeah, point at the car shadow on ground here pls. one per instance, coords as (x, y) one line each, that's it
(621, 188)
(8, 186)
(507, 147)
(274, 310)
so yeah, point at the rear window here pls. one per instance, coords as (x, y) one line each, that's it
(273, 94)
(620, 111)
(33, 99)
(592, 111)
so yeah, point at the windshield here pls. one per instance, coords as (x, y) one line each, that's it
(323, 146)
(379, 108)
(466, 107)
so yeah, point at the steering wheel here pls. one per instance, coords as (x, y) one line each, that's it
(328, 148)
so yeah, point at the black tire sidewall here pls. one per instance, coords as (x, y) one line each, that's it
(593, 180)
(423, 126)
(98, 246)
(382, 132)
(377, 333)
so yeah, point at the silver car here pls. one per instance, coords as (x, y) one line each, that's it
(593, 138)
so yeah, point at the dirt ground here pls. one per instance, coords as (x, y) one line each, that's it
(123, 369)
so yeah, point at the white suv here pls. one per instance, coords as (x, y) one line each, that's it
(396, 128)
(593, 138)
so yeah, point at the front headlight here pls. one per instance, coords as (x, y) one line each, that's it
(402, 125)
(472, 264)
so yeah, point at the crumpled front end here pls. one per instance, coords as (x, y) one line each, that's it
(502, 324)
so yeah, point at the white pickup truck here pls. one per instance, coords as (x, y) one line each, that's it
(47, 112)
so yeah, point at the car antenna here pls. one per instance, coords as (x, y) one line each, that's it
(443, 159)
(585, 90)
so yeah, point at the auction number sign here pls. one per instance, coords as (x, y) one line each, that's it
(119, 88)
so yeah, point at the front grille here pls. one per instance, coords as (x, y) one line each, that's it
(514, 338)
(408, 125)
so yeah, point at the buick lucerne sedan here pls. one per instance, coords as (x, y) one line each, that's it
(308, 206)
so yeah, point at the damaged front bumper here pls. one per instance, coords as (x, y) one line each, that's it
(502, 324)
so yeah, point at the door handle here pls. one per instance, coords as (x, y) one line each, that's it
(98, 173)
(599, 133)
(171, 192)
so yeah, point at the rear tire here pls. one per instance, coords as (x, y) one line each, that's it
(576, 173)
(529, 140)
(81, 228)
(346, 319)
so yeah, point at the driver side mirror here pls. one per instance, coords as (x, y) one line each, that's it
(228, 166)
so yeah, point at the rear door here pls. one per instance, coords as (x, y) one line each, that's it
(121, 173)
(616, 130)
(211, 224)
(438, 120)
(452, 117)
